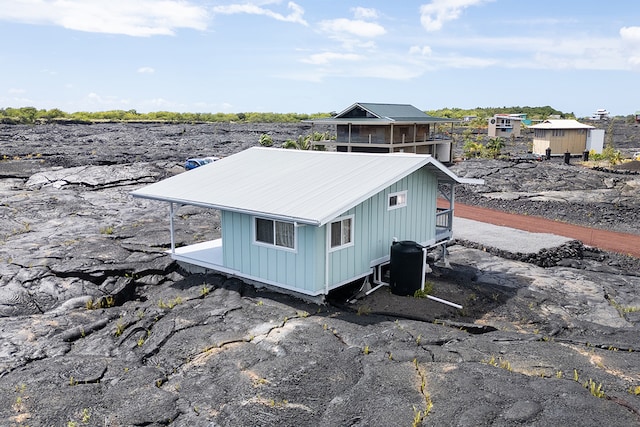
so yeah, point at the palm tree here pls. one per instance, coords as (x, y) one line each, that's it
(495, 146)
(472, 149)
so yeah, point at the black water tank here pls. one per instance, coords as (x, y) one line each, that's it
(405, 272)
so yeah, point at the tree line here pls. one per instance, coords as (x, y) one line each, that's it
(483, 113)
(31, 115)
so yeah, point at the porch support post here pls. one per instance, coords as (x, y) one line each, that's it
(451, 202)
(173, 241)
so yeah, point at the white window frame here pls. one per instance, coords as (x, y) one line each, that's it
(400, 200)
(274, 243)
(342, 245)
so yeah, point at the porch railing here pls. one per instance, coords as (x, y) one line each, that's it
(444, 223)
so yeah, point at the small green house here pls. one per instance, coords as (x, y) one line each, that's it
(311, 221)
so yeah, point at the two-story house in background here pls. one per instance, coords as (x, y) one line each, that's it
(504, 125)
(389, 128)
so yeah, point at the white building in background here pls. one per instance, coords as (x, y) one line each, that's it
(504, 125)
(600, 114)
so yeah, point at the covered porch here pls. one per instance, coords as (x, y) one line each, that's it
(444, 211)
(204, 254)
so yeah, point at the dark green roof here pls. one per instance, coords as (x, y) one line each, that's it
(384, 113)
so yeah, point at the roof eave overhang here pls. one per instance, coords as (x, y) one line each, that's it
(279, 217)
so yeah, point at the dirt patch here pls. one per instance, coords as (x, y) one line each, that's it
(633, 165)
(458, 285)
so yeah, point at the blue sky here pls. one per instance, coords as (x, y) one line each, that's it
(309, 56)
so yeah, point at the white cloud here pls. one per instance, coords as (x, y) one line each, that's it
(139, 18)
(420, 50)
(631, 34)
(364, 13)
(327, 57)
(146, 70)
(15, 91)
(569, 52)
(353, 27)
(631, 40)
(296, 15)
(107, 102)
(433, 15)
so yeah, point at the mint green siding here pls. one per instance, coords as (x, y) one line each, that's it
(301, 269)
(374, 227)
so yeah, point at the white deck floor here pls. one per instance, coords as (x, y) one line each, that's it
(206, 254)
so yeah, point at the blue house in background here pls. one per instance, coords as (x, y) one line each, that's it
(311, 221)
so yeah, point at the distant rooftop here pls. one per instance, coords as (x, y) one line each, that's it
(561, 124)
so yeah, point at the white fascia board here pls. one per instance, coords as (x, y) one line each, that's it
(306, 221)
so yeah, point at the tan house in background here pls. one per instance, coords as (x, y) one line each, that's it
(389, 128)
(563, 136)
(504, 125)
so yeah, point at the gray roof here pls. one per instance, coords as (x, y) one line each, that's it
(561, 124)
(383, 114)
(310, 187)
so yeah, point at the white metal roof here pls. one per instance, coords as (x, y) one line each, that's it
(561, 124)
(311, 187)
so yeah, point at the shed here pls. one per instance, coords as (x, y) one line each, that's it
(563, 136)
(311, 221)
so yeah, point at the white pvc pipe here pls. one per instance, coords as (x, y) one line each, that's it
(424, 266)
(452, 304)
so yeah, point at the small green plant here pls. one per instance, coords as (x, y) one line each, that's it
(72, 381)
(418, 339)
(576, 377)
(204, 291)
(594, 389)
(499, 363)
(366, 350)
(635, 390)
(303, 314)
(266, 140)
(86, 415)
(120, 327)
(417, 417)
(427, 289)
(260, 303)
(363, 310)
(108, 230)
(169, 304)
(175, 301)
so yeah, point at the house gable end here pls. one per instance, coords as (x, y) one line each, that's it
(357, 111)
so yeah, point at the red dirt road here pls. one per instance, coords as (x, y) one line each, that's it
(628, 244)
